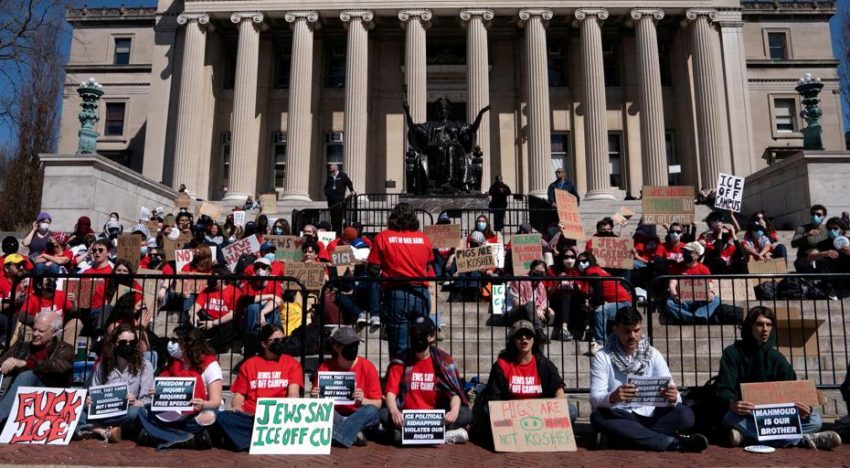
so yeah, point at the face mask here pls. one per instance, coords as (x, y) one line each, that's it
(349, 352)
(43, 226)
(144, 250)
(125, 351)
(816, 219)
(278, 231)
(687, 256)
(833, 233)
(583, 266)
(174, 350)
(262, 272)
(420, 343)
(113, 218)
(569, 262)
(675, 236)
(277, 348)
(758, 234)
(269, 257)
(480, 226)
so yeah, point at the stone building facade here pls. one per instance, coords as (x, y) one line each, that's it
(235, 97)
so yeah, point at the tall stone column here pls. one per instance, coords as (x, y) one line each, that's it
(535, 21)
(415, 67)
(187, 161)
(356, 88)
(652, 145)
(708, 88)
(595, 108)
(477, 22)
(243, 150)
(299, 118)
(738, 107)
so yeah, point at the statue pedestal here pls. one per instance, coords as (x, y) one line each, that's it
(437, 203)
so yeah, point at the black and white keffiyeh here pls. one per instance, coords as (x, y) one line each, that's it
(634, 364)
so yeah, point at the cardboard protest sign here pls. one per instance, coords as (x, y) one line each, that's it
(475, 258)
(533, 425)
(83, 289)
(249, 245)
(287, 248)
(182, 201)
(423, 427)
(649, 390)
(795, 391)
(568, 215)
(444, 236)
(498, 298)
(188, 285)
(209, 209)
(183, 257)
(525, 248)
(665, 205)
(108, 401)
(42, 415)
(169, 245)
(325, 237)
(613, 252)
(129, 248)
(777, 422)
(732, 290)
(268, 204)
(343, 256)
(292, 426)
(338, 386)
(153, 227)
(149, 286)
(774, 266)
(799, 335)
(729, 194)
(499, 254)
(311, 275)
(173, 394)
(239, 218)
(693, 290)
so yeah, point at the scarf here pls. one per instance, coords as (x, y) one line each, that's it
(635, 364)
(446, 375)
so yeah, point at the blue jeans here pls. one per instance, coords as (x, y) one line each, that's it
(167, 434)
(42, 268)
(24, 379)
(127, 421)
(747, 426)
(347, 307)
(347, 427)
(237, 427)
(604, 314)
(252, 318)
(690, 312)
(402, 306)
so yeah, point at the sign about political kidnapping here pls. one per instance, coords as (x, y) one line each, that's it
(292, 426)
(42, 415)
(423, 427)
(777, 422)
(533, 425)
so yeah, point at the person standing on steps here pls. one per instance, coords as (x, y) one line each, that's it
(335, 186)
(561, 183)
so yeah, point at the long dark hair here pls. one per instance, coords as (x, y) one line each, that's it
(194, 346)
(511, 352)
(119, 280)
(403, 218)
(108, 353)
(488, 233)
(202, 261)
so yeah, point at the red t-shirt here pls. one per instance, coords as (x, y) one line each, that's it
(612, 291)
(167, 269)
(402, 254)
(674, 251)
(261, 378)
(644, 251)
(278, 269)
(60, 303)
(422, 392)
(523, 379)
(365, 378)
(105, 270)
(5, 287)
(98, 298)
(217, 303)
(682, 269)
(271, 287)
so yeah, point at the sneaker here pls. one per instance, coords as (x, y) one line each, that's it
(362, 320)
(694, 443)
(397, 436)
(360, 440)
(601, 441)
(374, 324)
(457, 436)
(736, 439)
(824, 440)
(594, 348)
(201, 441)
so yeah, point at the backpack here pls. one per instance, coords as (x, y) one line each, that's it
(708, 411)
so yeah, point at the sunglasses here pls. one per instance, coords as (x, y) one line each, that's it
(98, 250)
(275, 340)
(524, 336)
(128, 342)
(675, 232)
(569, 256)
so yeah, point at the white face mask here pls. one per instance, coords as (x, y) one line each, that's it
(43, 226)
(583, 266)
(569, 262)
(262, 272)
(174, 350)
(174, 234)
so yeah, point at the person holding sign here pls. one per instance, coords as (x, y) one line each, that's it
(754, 358)
(425, 378)
(193, 358)
(271, 374)
(351, 420)
(121, 364)
(521, 372)
(104, 294)
(699, 310)
(561, 183)
(628, 425)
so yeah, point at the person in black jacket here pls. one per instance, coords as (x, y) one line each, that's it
(335, 186)
(521, 372)
(561, 183)
(499, 193)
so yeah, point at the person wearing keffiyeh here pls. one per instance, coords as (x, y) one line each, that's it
(425, 377)
(624, 422)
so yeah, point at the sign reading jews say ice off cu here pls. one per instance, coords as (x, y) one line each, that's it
(729, 193)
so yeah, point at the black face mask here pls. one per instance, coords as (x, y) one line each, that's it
(687, 256)
(419, 343)
(349, 352)
(277, 348)
(125, 350)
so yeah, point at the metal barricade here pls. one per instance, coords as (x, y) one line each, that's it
(374, 220)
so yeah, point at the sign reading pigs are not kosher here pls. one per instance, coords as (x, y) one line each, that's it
(729, 192)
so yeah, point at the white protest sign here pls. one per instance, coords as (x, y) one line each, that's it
(325, 237)
(42, 415)
(497, 298)
(499, 255)
(239, 218)
(183, 257)
(292, 426)
(729, 194)
(249, 245)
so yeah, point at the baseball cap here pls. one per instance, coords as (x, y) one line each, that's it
(422, 326)
(521, 325)
(267, 247)
(695, 247)
(345, 336)
(13, 258)
(263, 261)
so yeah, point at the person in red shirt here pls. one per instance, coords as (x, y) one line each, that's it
(673, 245)
(425, 378)
(691, 311)
(262, 299)
(721, 247)
(351, 420)
(55, 256)
(608, 296)
(401, 251)
(214, 310)
(566, 295)
(271, 374)
(99, 263)
(105, 292)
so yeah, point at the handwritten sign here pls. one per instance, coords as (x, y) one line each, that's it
(338, 386)
(665, 205)
(183, 257)
(694, 290)
(189, 285)
(183, 201)
(108, 401)
(777, 422)
(311, 275)
(249, 245)
(796, 391)
(568, 215)
(343, 256)
(534, 425)
(170, 245)
(525, 248)
(268, 203)
(292, 426)
(423, 427)
(83, 289)
(499, 254)
(209, 209)
(173, 394)
(475, 259)
(42, 415)
(498, 298)
(325, 237)
(287, 248)
(649, 390)
(729, 194)
(732, 290)
(149, 286)
(774, 266)
(239, 218)
(153, 227)
(613, 252)
(129, 248)
(444, 236)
